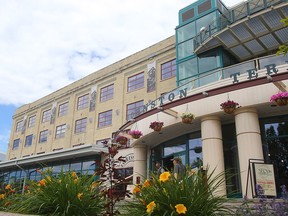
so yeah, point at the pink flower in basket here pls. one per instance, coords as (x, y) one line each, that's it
(280, 95)
(121, 139)
(229, 104)
(156, 124)
(135, 134)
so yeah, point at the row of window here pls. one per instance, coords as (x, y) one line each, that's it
(105, 119)
(135, 82)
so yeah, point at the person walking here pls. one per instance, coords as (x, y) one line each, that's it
(179, 169)
(159, 168)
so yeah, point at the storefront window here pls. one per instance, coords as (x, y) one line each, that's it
(231, 160)
(275, 135)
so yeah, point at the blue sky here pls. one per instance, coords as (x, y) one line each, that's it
(48, 44)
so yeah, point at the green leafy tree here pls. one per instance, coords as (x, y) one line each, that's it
(283, 49)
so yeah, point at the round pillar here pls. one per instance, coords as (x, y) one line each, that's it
(212, 147)
(140, 163)
(248, 141)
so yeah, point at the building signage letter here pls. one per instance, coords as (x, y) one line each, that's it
(171, 97)
(161, 100)
(271, 68)
(252, 73)
(234, 75)
(183, 93)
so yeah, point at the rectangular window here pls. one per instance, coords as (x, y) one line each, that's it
(28, 140)
(205, 6)
(43, 136)
(83, 102)
(106, 93)
(63, 109)
(16, 144)
(80, 125)
(19, 126)
(136, 82)
(168, 69)
(134, 109)
(46, 116)
(60, 131)
(105, 119)
(32, 121)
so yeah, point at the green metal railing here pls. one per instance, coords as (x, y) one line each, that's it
(233, 15)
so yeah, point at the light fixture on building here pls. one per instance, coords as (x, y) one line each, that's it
(205, 94)
(202, 29)
(269, 78)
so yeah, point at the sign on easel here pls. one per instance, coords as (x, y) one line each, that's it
(264, 176)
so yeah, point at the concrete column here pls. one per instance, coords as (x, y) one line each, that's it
(140, 163)
(212, 146)
(248, 141)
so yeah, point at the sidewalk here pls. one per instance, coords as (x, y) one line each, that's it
(11, 214)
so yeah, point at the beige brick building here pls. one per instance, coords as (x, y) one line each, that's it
(66, 118)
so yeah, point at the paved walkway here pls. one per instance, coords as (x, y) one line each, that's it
(10, 214)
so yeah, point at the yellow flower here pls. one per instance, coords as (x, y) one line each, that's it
(79, 196)
(150, 207)
(2, 196)
(94, 184)
(136, 189)
(181, 209)
(59, 180)
(8, 187)
(147, 183)
(75, 181)
(74, 175)
(49, 178)
(164, 176)
(42, 182)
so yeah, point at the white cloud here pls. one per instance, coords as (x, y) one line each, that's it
(48, 44)
(4, 140)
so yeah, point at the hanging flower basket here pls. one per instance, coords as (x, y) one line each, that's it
(281, 99)
(187, 118)
(156, 126)
(198, 149)
(136, 134)
(229, 106)
(122, 140)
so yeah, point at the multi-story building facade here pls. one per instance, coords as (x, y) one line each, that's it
(218, 53)
(224, 53)
(65, 129)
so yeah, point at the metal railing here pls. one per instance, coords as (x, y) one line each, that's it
(233, 15)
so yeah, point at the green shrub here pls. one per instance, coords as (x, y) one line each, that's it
(66, 194)
(195, 194)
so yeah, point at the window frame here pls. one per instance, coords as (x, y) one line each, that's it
(107, 93)
(16, 141)
(43, 135)
(105, 119)
(79, 125)
(169, 67)
(60, 131)
(63, 109)
(134, 82)
(46, 116)
(83, 102)
(19, 126)
(30, 139)
(32, 121)
(129, 116)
